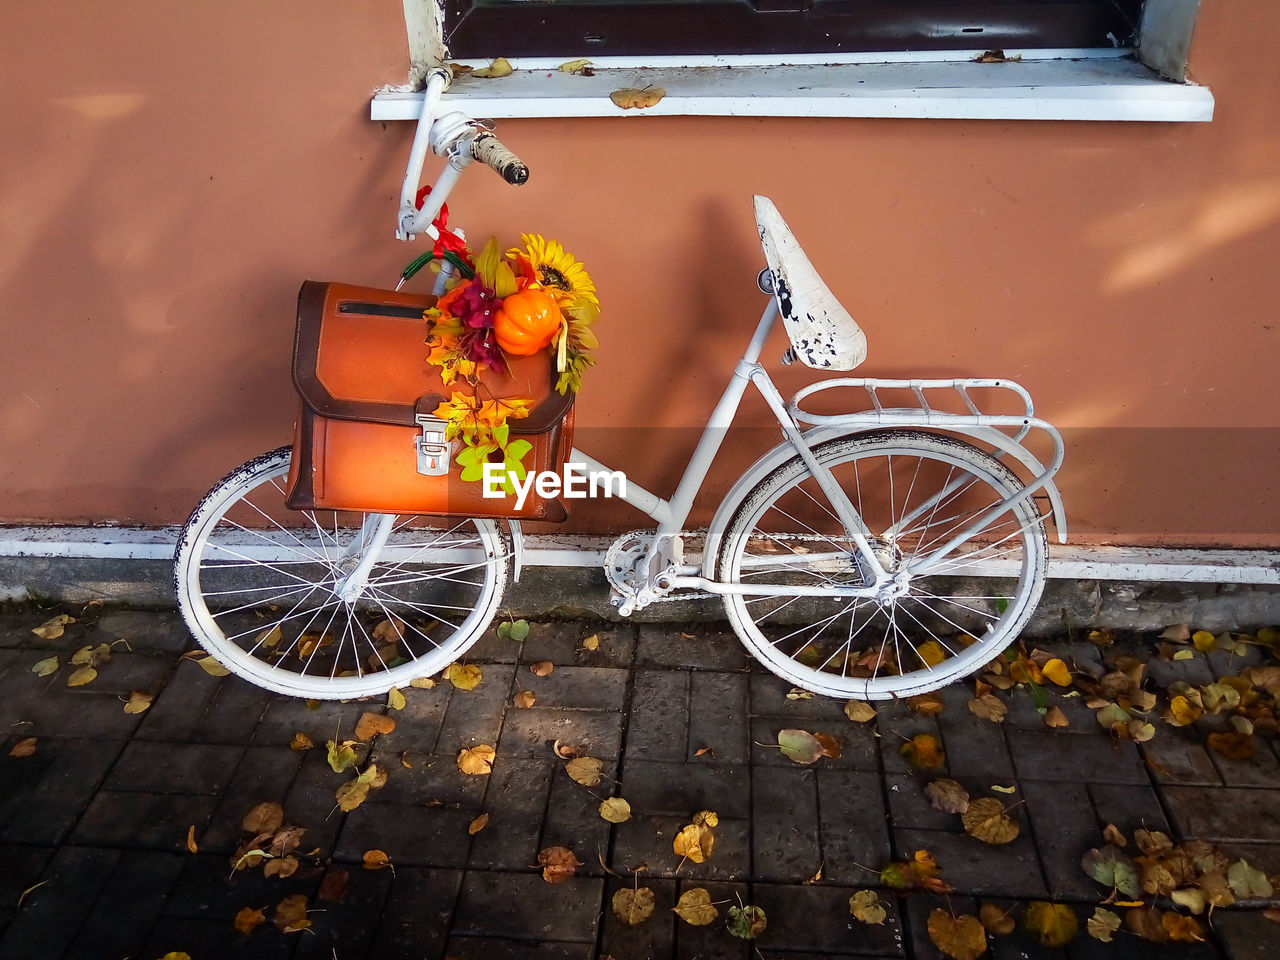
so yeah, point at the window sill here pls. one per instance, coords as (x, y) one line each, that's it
(1044, 85)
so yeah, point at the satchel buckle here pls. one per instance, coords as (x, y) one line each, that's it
(434, 451)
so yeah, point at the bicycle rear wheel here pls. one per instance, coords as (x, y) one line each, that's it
(915, 491)
(258, 585)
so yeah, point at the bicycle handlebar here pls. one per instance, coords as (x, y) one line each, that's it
(489, 150)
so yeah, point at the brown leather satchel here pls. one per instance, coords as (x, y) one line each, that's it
(366, 437)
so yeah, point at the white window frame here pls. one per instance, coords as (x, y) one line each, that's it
(1146, 84)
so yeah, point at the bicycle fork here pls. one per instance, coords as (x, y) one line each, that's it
(374, 533)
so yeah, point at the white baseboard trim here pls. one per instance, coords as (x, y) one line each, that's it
(1159, 564)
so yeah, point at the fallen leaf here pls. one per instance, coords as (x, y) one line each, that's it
(53, 628)
(1111, 833)
(1057, 671)
(477, 760)
(988, 707)
(592, 642)
(464, 676)
(478, 824)
(947, 796)
(1185, 655)
(987, 820)
(615, 810)
(1182, 929)
(925, 704)
(524, 699)
(923, 752)
(633, 907)
(1183, 711)
(795, 693)
(351, 794)
(263, 818)
(249, 920)
(832, 747)
(422, 683)
(81, 676)
(515, 630)
(300, 741)
(371, 724)
(1146, 923)
(1204, 641)
(1191, 899)
(138, 702)
(1233, 745)
(286, 840)
(291, 914)
(997, 921)
(1178, 633)
(341, 755)
(1272, 914)
(585, 770)
(694, 842)
(1154, 843)
(375, 860)
(1248, 881)
(282, 867)
(997, 56)
(192, 846)
(931, 653)
(922, 873)
(581, 68)
(45, 667)
(1139, 731)
(1055, 924)
(961, 937)
(1112, 869)
(500, 67)
(629, 98)
(24, 748)
(695, 907)
(542, 668)
(799, 746)
(558, 864)
(395, 699)
(212, 667)
(1054, 717)
(859, 711)
(1103, 924)
(865, 906)
(999, 789)
(747, 922)
(334, 886)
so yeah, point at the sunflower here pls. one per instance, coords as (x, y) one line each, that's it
(554, 268)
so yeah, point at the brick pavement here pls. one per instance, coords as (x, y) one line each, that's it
(99, 815)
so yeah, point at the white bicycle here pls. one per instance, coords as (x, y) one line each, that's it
(879, 552)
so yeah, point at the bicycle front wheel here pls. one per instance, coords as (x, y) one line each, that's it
(260, 587)
(915, 492)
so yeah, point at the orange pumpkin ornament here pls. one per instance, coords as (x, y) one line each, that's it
(527, 322)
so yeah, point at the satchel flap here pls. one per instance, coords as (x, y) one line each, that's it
(360, 353)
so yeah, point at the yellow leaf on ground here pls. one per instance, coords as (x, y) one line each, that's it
(580, 67)
(558, 864)
(961, 937)
(82, 676)
(395, 699)
(91, 655)
(1054, 717)
(1057, 671)
(301, 741)
(865, 905)
(997, 921)
(477, 760)
(192, 846)
(371, 724)
(138, 702)
(478, 824)
(1204, 641)
(1103, 924)
(986, 820)
(45, 667)
(1233, 745)
(341, 755)
(931, 653)
(249, 920)
(269, 637)
(500, 67)
(592, 642)
(212, 667)
(1055, 924)
(422, 683)
(53, 628)
(585, 770)
(695, 907)
(24, 748)
(351, 794)
(696, 840)
(615, 810)
(859, 711)
(524, 699)
(1182, 929)
(542, 668)
(629, 98)
(464, 676)
(633, 907)
(925, 704)
(988, 707)
(923, 752)
(389, 630)
(375, 860)
(291, 914)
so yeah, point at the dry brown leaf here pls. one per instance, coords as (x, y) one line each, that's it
(629, 98)
(1178, 633)
(263, 818)
(500, 67)
(53, 628)
(859, 711)
(389, 630)
(1154, 843)
(524, 699)
(1103, 924)
(1233, 745)
(918, 873)
(925, 704)
(24, 748)
(997, 921)
(923, 752)
(248, 920)
(987, 820)
(301, 741)
(138, 702)
(866, 906)
(989, 707)
(633, 907)
(477, 760)
(464, 676)
(1111, 833)
(695, 907)
(1182, 929)
(1054, 717)
(542, 668)
(947, 796)
(371, 724)
(80, 677)
(997, 56)
(333, 887)
(286, 840)
(281, 867)
(192, 846)
(961, 937)
(831, 746)
(375, 860)
(592, 642)
(558, 864)
(615, 810)
(585, 770)
(478, 824)
(291, 914)
(212, 667)
(1146, 923)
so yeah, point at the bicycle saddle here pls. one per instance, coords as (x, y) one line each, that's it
(823, 334)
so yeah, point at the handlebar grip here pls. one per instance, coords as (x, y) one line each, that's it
(489, 150)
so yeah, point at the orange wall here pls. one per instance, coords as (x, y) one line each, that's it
(171, 172)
